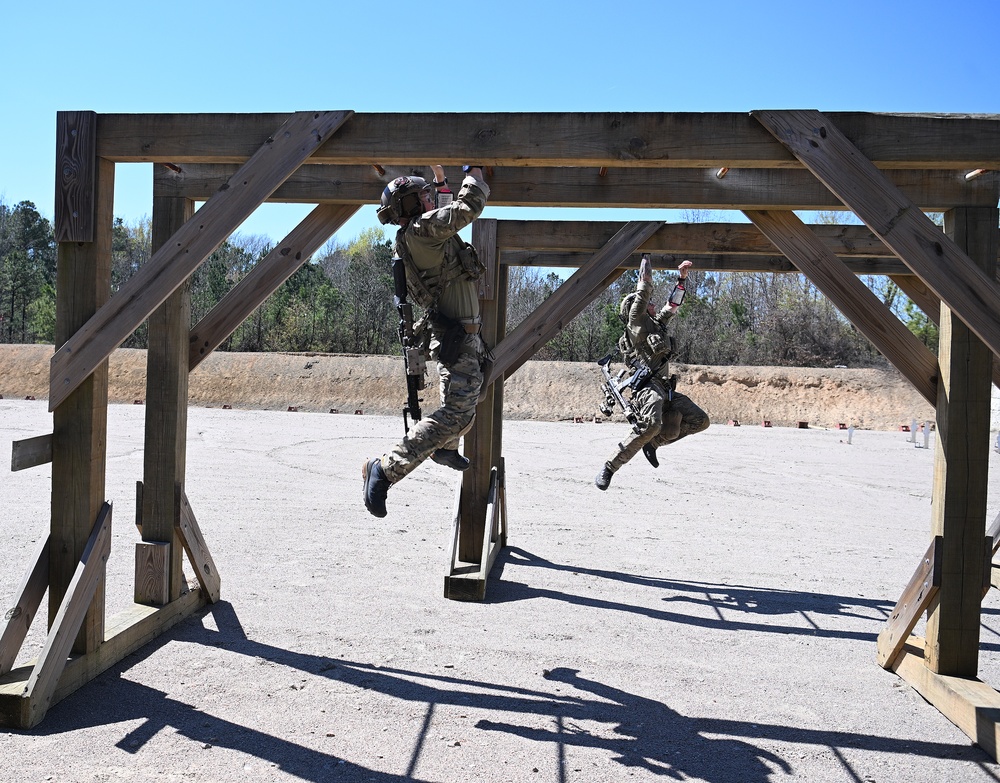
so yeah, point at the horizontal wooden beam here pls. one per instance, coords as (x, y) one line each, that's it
(717, 262)
(639, 188)
(969, 703)
(31, 452)
(708, 140)
(124, 634)
(678, 238)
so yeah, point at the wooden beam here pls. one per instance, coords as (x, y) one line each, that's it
(582, 187)
(961, 465)
(916, 597)
(718, 262)
(76, 160)
(707, 140)
(29, 598)
(52, 660)
(679, 238)
(568, 300)
(853, 298)
(80, 422)
(265, 278)
(197, 550)
(126, 632)
(165, 445)
(274, 162)
(927, 301)
(479, 439)
(969, 703)
(970, 292)
(152, 571)
(466, 581)
(31, 452)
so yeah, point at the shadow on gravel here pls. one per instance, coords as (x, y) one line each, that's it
(737, 601)
(633, 730)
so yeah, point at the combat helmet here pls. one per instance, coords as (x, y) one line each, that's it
(626, 306)
(401, 199)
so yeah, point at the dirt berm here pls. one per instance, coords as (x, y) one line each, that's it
(541, 390)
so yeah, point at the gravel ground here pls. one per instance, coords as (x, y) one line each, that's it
(714, 620)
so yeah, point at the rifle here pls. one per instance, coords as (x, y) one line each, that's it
(613, 388)
(414, 360)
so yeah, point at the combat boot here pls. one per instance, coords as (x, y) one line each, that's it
(450, 458)
(376, 487)
(649, 451)
(603, 480)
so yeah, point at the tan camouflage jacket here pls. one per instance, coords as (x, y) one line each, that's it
(433, 247)
(646, 336)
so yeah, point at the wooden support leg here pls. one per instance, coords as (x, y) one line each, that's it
(165, 451)
(482, 447)
(79, 436)
(961, 465)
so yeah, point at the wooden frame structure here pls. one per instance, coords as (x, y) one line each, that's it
(885, 168)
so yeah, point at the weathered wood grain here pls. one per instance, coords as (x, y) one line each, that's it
(169, 267)
(591, 139)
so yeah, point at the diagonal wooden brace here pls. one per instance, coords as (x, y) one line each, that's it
(852, 297)
(265, 278)
(172, 264)
(196, 548)
(585, 285)
(970, 293)
(44, 677)
(29, 598)
(916, 597)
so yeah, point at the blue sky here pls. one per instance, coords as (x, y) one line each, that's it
(210, 56)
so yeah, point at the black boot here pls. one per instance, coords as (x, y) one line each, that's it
(603, 480)
(649, 450)
(376, 487)
(450, 458)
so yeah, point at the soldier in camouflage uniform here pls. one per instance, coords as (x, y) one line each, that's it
(665, 415)
(441, 275)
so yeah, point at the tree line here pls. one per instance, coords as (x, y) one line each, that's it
(341, 302)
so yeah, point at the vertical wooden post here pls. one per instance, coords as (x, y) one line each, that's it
(479, 439)
(960, 464)
(84, 214)
(166, 400)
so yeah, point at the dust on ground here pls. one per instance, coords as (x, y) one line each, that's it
(870, 399)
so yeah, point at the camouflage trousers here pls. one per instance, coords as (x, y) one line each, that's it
(460, 385)
(663, 420)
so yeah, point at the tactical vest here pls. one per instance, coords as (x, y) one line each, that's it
(654, 352)
(461, 262)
